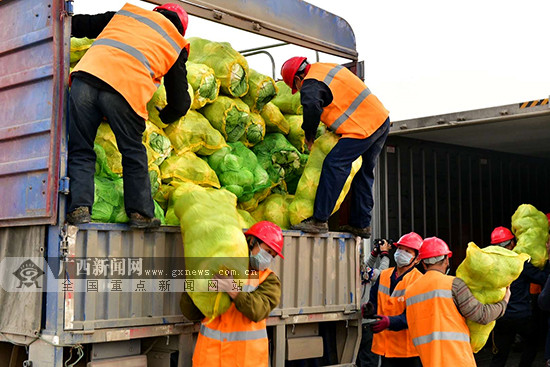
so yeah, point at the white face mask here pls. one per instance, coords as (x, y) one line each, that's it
(402, 258)
(261, 260)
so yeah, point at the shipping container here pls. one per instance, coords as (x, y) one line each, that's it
(458, 176)
(318, 316)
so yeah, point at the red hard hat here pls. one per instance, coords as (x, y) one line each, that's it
(269, 233)
(410, 240)
(548, 217)
(433, 247)
(179, 10)
(501, 234)
(289, 70)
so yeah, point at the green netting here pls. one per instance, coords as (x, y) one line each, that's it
(101, 163)
(274, 209)
(255, 130)
(212, 239)
(246, 219)
(279, 158)
(230, 116)
(286, 101)
(193, 133)
(239, 171)
(156, 142)
(487, 272)
(159, 100)
(250, 202)
(79, 46)
(530, 226)
(188, 168)
(296, 136)
(302, 206)
(205, 85)
(106, 139)
(262, 89)
(230, 67)
(275, 121)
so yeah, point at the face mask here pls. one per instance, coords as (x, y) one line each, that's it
(402, 258)
(261, 260)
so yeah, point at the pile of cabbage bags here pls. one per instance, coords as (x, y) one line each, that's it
(530, 227)
(487, 272)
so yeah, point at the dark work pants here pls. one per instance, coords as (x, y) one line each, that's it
(87, 106)
(336, 169)
(401, 362)
(505, 333)
(365, 357)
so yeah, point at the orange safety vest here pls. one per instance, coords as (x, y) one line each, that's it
(394, 344)
(437, 328)
(133, 52)
(354, 111)
(232, 339)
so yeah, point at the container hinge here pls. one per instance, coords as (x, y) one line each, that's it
(69, 7)
(64, 185)
(27, 363)
(67, 238)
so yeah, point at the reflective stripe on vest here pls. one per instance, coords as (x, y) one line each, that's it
(154, 26)
(441, 335)
(234, 336)
(135, 53)
(439, 293)
(354, 111)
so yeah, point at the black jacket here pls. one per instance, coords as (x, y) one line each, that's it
(175, 80)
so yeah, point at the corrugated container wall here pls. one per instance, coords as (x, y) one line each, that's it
(458, 194)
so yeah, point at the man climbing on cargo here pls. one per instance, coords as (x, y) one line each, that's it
(332, 94)
(391, 339)
(518, 318)
(438, 306)
(133, 50)
(238, 337)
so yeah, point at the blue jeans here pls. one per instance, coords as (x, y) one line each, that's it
(87, 106)
(336, 169)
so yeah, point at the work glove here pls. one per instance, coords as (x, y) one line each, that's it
(367, 310)
(382, 324)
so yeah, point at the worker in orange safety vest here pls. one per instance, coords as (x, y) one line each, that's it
(333, 95)
(133, 49)
(238, 337)
(437, 308)
(391, 339)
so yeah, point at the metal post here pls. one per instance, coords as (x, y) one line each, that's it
(279, 345)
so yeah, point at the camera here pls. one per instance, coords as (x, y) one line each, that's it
(379, 242)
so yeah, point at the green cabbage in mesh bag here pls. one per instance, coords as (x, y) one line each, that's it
(279, 158)
(230, 67)
(101, 163)
(156, 142)
(106, 139)
(205, 85)
(154, 178)
(159, 100)
(230, 116)
(287, 102)
(188, 168)
(487, 272)
(212, 239)
(239, 171)
(193, 133)
(255, 130)
(262, 89)
(296, 136)
(530, 227)
(274, 209)
(275, 121)
(246, 219)
(302, 206)
(79, 46)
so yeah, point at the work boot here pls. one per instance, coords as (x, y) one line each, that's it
(311, 225)
(139, 221)
(361, 232)
(80, 215)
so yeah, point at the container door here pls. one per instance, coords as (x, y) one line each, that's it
(32, 90)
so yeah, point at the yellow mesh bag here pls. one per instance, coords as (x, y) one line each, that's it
(530, 227)
(487, 272)
(188, 168)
